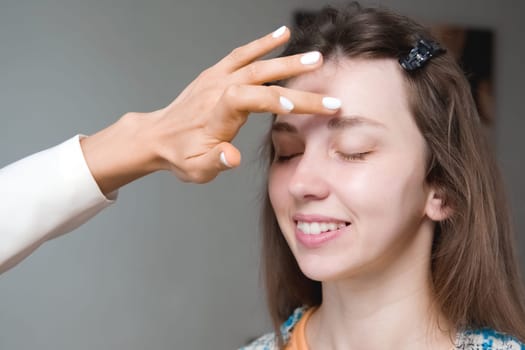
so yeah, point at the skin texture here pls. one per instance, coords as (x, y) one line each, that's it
(371, 174)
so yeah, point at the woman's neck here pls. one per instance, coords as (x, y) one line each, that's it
(394, 310)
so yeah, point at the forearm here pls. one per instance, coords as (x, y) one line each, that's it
(54, 191)
(43, 196)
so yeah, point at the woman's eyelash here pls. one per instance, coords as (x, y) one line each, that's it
(285, 158)
(353, 156)
(344, 156)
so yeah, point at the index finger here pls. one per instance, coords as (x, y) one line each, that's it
(243, 55)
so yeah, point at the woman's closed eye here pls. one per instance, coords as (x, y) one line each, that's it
(359, 156)
(282, 158)
(352, 156)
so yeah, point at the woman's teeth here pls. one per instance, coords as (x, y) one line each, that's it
(315, 228)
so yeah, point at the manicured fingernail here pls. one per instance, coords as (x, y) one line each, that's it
(311, 57)
(331, 102)
(224, 161)
(279, 32)
(286, 103)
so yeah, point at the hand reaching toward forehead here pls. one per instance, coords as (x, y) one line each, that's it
(191, 136)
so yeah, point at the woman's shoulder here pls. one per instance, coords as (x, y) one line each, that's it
(487, 338)
(269, 341)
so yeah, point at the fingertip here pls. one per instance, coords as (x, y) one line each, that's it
(331, 103)
(311, 58)
(224, 161)
(230, 157)
(279, 32)
(286, 104)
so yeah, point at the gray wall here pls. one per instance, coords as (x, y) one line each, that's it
(171, 265)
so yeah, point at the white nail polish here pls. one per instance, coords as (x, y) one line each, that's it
(286, 103)
(224, 161)
(279, 32)
(311, 57)
(331, 102)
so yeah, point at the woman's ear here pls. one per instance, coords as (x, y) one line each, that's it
(437, 208)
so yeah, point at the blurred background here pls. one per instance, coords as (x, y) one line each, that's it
(172, 265)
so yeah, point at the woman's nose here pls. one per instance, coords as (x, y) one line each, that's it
(308, 181)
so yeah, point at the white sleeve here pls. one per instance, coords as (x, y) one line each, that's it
(43, 196)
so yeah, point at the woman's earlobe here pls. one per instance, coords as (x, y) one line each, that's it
(437, 209)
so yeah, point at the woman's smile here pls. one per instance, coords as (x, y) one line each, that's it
(313, 231)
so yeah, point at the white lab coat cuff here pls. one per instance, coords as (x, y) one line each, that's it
(45, 195)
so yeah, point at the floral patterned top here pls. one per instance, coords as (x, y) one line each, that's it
(482, 339)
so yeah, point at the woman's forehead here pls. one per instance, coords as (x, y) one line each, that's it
(351, 75)
(371, 88)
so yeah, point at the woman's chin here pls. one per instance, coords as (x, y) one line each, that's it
(324, 271)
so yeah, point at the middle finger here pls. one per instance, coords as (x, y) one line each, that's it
(280, 68)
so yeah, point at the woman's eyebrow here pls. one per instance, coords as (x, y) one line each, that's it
(345, 122)
(336, 123)
(283, 127)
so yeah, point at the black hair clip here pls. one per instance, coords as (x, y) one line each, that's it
(421, 53)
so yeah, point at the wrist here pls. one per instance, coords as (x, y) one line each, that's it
(121, 153)
(137, 134)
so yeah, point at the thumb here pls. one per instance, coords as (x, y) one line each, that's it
(207, 166)
(223, 156)
(228, 156)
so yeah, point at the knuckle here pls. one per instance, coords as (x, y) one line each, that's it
(253, 71)
(231, 94)
(292, 62)
(130, 119)
(236, 54)
(275, 90)
(273, 94)
(265, 103)
(205, 73)
(265, 106)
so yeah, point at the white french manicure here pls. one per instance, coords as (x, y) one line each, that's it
(311, 57)
(286, 103)
(279, 32)
(224, 161)
(331, 102)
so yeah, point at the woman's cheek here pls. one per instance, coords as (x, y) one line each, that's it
(364, 183)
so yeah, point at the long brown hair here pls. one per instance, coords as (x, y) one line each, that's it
(475, 274)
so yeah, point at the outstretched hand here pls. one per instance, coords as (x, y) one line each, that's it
(191, 136)
(211, 110)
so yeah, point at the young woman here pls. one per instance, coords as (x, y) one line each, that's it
(385, 226)
(385, 222)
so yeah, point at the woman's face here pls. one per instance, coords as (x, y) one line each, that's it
(349, 191)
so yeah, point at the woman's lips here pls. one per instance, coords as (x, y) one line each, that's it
(316, 240)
